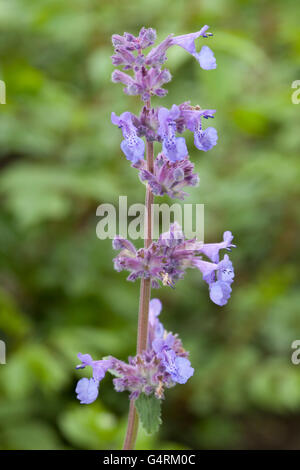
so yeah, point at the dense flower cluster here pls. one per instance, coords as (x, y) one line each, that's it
(163, 125)
(169, 177)
(164, 364)
(166, 260)
(148, 78)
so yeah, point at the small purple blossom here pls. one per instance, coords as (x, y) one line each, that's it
(211, 250)
(173, 147)
(128, 48)
(191, 118)
(187, 41)
(178, 367)
(87, 389)
(205, 57)
(220, 281)
(99, 367)
(132, 87)
(132, 145)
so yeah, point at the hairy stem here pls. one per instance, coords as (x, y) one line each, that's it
(132, 427)
(145, 292)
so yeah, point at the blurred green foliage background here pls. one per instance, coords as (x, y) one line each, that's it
(60, 159)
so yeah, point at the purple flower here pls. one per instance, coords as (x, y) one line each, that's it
(173, 147)
(207, 269)
(99, 367)
(132, 145)
(191, 118)
(187, 41)
(178, 367)
(147, 37)
(220, 281)
(157, 56)
(127, 45)
(132, 87)
(205, 57)
(87, 390)
(120, 243)
(151, 81)
(211, 250)
(123, 57)
(169, 177)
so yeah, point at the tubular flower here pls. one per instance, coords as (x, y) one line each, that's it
(187, 41)
(205, 57)
(87, 389)
(132, 145)
(173, 147)
(192, 118)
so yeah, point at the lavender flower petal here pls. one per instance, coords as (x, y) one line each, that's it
(87, 390)
(206, 140)
(206, 58)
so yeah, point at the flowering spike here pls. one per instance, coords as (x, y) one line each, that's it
(161, 361)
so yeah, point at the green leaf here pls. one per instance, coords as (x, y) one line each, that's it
(149, 410)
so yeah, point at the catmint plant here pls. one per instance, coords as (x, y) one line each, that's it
(161, 361)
